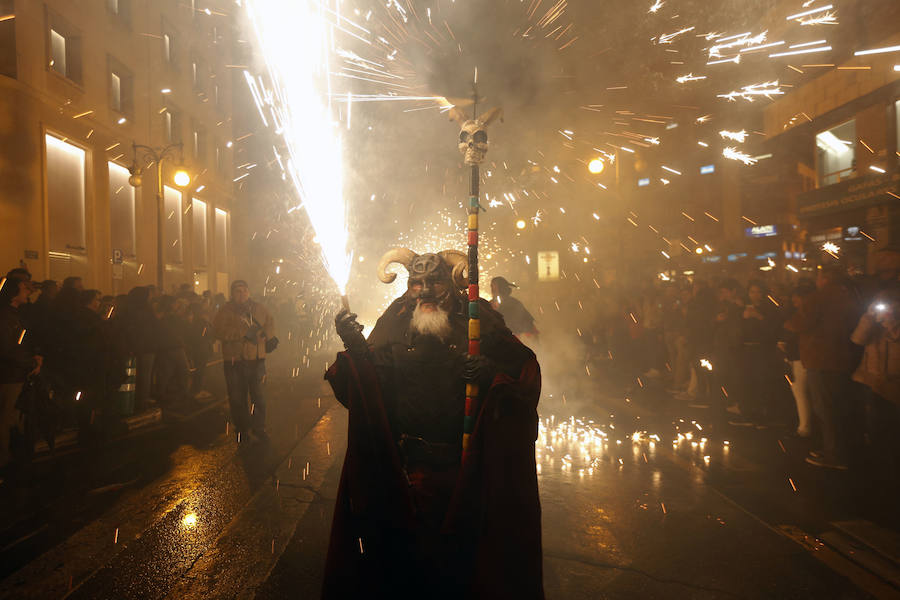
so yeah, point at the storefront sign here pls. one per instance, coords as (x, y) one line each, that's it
(867, 190)
(829, 235)
(852, 234)
(548, 266)
(761, 231)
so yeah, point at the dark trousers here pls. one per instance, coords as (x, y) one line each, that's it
(830, 394)
(882, 423)
(759, 378)
(244, 380)
(199, 358)
(144, 381)
(727, 373)
(172, 375)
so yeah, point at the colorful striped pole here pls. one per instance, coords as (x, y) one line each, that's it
(474, 322)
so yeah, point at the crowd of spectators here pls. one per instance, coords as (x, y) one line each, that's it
(72, 358)
(820, 355)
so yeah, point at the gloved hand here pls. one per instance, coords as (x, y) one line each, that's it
(350, 332)
(478, 369)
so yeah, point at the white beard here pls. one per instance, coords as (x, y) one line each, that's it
(435, 322)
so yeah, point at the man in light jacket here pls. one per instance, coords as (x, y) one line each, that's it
(244, 328)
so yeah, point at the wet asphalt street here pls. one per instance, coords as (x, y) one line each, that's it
(638, 502)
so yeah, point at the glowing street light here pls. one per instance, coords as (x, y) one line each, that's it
(520, 224)
(144, 156)
(596, 166)
(181, 178)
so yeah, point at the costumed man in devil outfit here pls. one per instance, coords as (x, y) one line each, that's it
(412, 518)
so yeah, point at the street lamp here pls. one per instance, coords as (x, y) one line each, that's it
(181, 178)
(149, 156)
(596, 166)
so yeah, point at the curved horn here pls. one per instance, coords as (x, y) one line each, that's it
(459, 266)
(404, 256)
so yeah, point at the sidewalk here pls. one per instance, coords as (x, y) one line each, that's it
(169, 504)
(151, 419)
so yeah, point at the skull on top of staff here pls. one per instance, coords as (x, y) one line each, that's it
(473, 137)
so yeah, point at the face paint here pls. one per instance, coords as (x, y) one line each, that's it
(429, 282)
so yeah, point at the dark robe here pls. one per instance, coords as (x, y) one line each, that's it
(487, 543)
(516, 316)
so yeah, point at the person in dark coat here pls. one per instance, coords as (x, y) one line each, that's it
(516, 316)
(172, 368)
(38, 315)
(824, 324)
(414, 517)
(760, 373)
(136, 326)
(200, 340)
(88, 353)
(17, 359)
(727, 344)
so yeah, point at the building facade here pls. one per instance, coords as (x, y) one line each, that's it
(838, 136)
(81, 81)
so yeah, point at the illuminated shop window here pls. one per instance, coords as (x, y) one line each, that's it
(836, 153)
(121, 210)
(221, 250)
(172, 227)
(199, 220)
(8, 39)
(897, 123)
(65, 195)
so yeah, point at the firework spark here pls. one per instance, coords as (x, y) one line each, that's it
(735, 154)
(751, 92)
(737, 136)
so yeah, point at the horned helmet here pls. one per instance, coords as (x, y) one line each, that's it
(432, 277)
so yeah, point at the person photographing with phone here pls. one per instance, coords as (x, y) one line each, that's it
(247, 332)
(878, 332)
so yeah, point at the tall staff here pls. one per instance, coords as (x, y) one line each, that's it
(473, 143)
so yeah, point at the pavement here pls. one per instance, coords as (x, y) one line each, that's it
(638, 502)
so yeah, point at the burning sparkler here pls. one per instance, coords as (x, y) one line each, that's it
(294, 40)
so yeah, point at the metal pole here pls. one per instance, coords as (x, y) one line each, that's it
(160, 224)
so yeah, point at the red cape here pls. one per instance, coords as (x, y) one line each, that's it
(495, 506)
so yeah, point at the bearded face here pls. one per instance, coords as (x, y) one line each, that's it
(429, 319)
